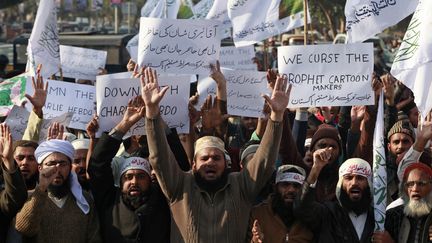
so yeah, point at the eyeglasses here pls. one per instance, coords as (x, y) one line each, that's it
(410, 184)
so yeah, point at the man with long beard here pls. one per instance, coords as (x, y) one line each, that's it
(208, 204)
(274, 220)
(58, 210)
(350, 218)
(410, 222)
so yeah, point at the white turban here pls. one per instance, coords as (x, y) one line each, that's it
(64, 147)
(54, 145)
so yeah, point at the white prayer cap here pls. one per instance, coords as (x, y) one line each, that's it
(54, 145)
(81, 143)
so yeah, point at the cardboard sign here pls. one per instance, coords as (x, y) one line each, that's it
(63, 97)
(113, 95)
(81, 63)
(244, 89)
(328, 75)
(178, 46)
(237, 58)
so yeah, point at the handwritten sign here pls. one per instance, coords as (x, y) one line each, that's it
(43, 45)
(132, 48)
(328, 75)
(18, 119)
(244, 89)
(178, 46)
(12, 93)
(113, 95)
(81, 63)
(365, 18)
(66, 97)
(254, 21)
(237, 58)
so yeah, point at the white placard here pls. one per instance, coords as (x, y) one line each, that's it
(237, 58)
(81, 63)
(132, 48)
(113, 95)
(18, 118)
(244, 89)
(123, 75)
(328, 75)
(180, 46)
(63, 97)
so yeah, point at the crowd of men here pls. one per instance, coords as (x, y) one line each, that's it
(291, 176)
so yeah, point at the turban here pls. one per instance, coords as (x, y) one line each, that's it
(209, 142)
(82, 143)
(54, 145)
(134, 163)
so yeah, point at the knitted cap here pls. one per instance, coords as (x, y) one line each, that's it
(418, 165)
(326, 131)
(402, 126)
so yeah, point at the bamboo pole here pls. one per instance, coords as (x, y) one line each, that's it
(305, 11)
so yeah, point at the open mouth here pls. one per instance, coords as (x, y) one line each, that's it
(134, 192)
(210, 172)
(416, 197)
(355, 192)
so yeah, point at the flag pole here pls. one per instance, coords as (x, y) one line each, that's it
(305, 11)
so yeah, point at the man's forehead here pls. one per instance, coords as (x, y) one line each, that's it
(417, 173)
(24, 150)
(135, 172)
(209, 151)
(400, 136)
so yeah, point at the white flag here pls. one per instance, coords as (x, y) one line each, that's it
(366, 18)
(161, 9)
(254, 21)
(43, 46)
(202, 8)
(413, 62)
(379, 169)
(219, 12)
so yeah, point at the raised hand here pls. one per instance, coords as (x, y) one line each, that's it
(424, 133)
(389, 83)
(39, 96)
(194, 115)
(357, 115)
(46, 176)
(151, 92)
(271, 78)
(135, 110)
(279, 98)
(130, 66)
(322, 157)
(211, 116)
(6, 147)
(257, 234)
(217, 75)
(55, 131)
(92, 127)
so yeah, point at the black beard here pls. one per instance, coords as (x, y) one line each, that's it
(32, 181)
(211, 186)
(134, 202)
(282, 209)
(357, 207)
(60, 191)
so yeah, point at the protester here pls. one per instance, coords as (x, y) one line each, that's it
(14, 194)
(411, 221)
(274, 220)
(24, 156)
(350, 218)
(58, 210)
(79, 163)
(207, 203)
(137, 211)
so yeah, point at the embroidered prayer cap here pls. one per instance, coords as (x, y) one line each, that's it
(135, 163)
(209, 142)
(402, 126)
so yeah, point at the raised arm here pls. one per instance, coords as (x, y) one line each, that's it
(261, 166)
(168, 173)
(38, 100)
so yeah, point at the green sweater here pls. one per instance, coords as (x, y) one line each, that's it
(40, 220)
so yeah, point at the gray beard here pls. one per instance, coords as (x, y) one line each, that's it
(417, 209)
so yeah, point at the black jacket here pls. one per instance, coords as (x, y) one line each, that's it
(148, 223)
(330, 222)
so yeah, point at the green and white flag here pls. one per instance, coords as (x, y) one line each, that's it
(12, 93)
(379, 169)
(413, 62)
